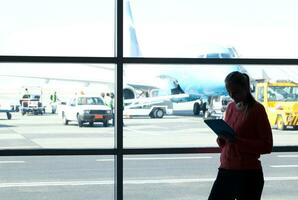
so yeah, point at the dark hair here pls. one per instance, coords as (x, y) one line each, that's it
(241, 79)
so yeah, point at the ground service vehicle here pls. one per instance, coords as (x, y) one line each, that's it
(86, 109)
(216, 106)
(280, 100)
(199, 107)
(7, 108)
(31, 103)
(183, 104)
(154, 107)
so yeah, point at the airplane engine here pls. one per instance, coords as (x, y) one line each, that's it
(129, 93)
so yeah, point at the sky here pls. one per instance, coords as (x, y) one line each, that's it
(256, 28)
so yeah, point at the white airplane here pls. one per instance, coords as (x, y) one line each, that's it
(194, 82)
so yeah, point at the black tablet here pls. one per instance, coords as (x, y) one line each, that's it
(220, 128)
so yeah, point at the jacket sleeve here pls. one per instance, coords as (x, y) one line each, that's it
(263, 141)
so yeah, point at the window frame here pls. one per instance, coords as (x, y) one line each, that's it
(118, 151)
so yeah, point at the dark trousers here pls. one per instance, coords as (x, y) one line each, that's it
(237, 184)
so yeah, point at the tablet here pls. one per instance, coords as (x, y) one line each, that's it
(220, 128)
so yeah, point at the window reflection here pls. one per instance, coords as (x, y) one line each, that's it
(283, 93)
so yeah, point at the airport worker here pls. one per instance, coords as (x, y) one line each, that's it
(112, 97)
(240, 174)
(107, 99)
(111, 105)
(54, 99)
(123, 107)
(102, 95)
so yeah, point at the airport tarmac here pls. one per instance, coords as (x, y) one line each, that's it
(145, 176)
(48, 131)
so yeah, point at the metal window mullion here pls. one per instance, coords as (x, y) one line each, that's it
(210, 61)
(56, 152)
(118, 164)
(126, 151)
(147, 60)
(57, 59)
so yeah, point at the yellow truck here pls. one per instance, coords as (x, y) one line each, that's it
(280, 100)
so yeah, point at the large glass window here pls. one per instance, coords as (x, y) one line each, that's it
(57, 28)
(165, 105)
(191, 176)
(61, 178)
(213, 29)
(58, 64)
(169, 176)
(56, 105)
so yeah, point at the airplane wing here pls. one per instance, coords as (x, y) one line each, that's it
(86, 73)
(142, 87)
(48, 79)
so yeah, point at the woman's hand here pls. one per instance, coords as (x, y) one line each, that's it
(228, 137)
(220, 141)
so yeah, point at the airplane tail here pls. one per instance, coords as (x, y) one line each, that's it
(131, 37)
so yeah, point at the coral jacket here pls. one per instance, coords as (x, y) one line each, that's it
(254, 137)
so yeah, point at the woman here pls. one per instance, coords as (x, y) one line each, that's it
(240, 173)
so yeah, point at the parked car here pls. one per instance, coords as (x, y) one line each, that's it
(86, 109)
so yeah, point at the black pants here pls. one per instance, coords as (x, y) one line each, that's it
(237, 184)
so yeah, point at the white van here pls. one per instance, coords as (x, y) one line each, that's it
(86, 109)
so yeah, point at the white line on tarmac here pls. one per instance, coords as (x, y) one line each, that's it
(287, 156)
(158, 158)
(21, 147)
(144, 129)
(282, 178)
(283, 166)
(11, 162)
(11, 136)
(54, 183)
(128, 182)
